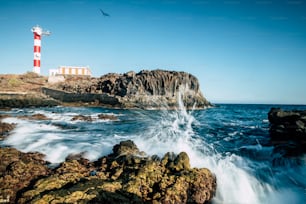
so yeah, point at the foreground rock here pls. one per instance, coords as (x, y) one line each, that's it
(18, 169)
(146, 89)
(288, 129)
(125, 176)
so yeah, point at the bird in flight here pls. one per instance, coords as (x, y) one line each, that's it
(104, 14)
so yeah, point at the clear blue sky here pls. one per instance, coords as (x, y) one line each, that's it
(251, 51)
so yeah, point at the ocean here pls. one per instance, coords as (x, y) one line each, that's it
(232, 140)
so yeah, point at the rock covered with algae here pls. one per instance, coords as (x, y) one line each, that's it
(125, 176)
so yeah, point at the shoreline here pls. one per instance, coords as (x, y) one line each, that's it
(28, 177)
(9, 100)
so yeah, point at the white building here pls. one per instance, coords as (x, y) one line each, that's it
(53, 72)
(70, 70)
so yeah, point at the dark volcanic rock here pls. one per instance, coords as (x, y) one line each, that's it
(82, 117)
(107, 117)
(150, 88)
(146, 89)
(288, 128)
(125, 176)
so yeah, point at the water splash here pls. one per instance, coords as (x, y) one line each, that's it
(237, 181)
(170, 130)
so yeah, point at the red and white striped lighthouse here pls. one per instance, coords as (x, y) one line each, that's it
(38, 32)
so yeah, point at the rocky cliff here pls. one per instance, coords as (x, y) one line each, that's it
(288, 130)
(146, 89)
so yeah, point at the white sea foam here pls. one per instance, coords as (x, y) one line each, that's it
(39, 143)
(27, 136)
(13, 120)
(59, 155)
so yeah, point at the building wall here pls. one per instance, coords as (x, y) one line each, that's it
(53, 72)
(70, 70)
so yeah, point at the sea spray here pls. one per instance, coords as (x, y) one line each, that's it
(174, 133)
(236, 180)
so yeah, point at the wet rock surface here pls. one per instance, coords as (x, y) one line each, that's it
(127, 175)
(37, 116)
(18, 170)
(5, 128)
(107, 117)
(82, 118)
(288, 130)
(90, 119)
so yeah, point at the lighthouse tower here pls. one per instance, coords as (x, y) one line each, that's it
(38, 32)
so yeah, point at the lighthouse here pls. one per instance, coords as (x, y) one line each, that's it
(38, 33)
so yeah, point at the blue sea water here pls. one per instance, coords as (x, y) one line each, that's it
(231, 140)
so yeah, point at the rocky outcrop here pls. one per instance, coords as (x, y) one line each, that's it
(125, 176)
(146, 89)
(18, 169)
(37, 116)
(90, 119)
(82, 118)
(25, 100)
(107, 117)
(5, 128)
(288, 129)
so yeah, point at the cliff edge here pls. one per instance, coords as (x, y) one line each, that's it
(146, 89)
